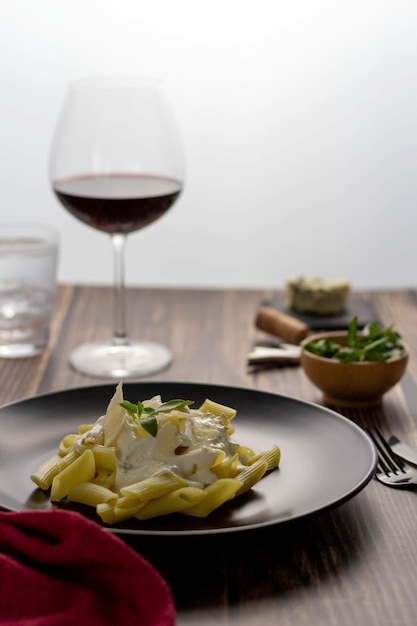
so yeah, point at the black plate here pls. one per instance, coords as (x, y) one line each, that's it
(325, 458)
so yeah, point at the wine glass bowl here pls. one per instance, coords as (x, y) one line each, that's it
(117, 166)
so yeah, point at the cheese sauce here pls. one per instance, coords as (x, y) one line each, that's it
(188, 442)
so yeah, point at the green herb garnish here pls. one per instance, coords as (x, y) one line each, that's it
(145, 416)
(377, 344)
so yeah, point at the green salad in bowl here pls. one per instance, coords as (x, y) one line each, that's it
(372, 344)
(352, 367)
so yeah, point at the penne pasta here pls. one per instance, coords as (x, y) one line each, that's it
(45, 474)
(104, 477)
(114, 515)
(106, 513)
(154, 487)
(83, 428)
(216, 494)
(245, 454)
(66, 444)
(209, 406)
(152, 459)
(251, 475)
(226, 468)
(91, 494)
(174, 502)
(80, 470)
(272, 457)
(127, 507)
(104, 457)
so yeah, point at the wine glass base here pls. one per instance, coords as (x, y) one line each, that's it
(109, 360)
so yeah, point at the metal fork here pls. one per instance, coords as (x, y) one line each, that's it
(391, 470)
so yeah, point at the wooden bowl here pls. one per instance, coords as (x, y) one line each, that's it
(361, 383)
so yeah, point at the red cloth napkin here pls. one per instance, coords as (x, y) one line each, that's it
(57, 568)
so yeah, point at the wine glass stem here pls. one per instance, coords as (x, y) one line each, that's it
(119, 333)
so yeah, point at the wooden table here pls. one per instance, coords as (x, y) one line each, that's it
(356, 564)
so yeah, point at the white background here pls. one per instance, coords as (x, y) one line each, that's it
(298, 120)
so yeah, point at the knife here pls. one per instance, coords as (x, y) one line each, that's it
(282, 353)
(403, 450)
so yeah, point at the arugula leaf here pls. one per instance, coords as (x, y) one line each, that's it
(378, 344)
(352, 332)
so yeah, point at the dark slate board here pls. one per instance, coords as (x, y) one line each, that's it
(355, 306)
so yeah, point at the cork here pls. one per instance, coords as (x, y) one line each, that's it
(281, 325)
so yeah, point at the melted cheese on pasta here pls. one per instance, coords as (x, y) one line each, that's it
(188, 442)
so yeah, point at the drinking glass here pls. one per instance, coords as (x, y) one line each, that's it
(116, 164)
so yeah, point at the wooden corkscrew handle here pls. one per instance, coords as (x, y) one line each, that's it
(281, 325)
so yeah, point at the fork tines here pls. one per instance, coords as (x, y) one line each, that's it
(388, 462)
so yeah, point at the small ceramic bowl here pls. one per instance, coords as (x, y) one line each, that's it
(350, 384)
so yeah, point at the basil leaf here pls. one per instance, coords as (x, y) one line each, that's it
(150, 424)
(173, 404)
(131, 408)
(149, 421)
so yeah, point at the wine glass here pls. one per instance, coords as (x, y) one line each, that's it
(116, 164)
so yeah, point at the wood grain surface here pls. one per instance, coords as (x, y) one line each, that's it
(354, 565)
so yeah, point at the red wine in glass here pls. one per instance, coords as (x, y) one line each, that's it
(116, 165)
(117, 203)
